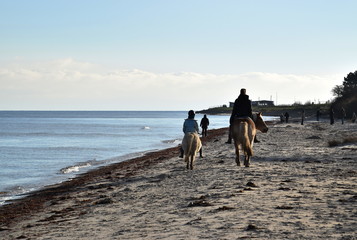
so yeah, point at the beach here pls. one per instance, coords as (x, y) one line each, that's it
(302, 184)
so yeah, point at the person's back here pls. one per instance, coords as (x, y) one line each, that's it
(282, 118)
(190, 125)
(286, 117)
(354, 117)
(332, 118)
(343, 115)
(243, 106)
(204, 124)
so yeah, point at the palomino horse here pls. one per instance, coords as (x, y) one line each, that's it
(191, 145)
(243, 132)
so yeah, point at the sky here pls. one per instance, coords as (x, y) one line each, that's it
(172, 54)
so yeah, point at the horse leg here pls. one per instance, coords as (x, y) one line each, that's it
(246, 161)
(249, 155)
(237, 154)
(187, 160)
(191, 164)
(237, 161)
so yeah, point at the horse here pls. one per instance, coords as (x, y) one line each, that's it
(191, 144)
(243, 132)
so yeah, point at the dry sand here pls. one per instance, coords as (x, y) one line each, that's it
(298, 187)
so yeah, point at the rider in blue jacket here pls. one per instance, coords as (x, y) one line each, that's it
(190, 125)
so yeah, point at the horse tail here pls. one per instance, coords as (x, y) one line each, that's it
(245, 140)
(188, 145)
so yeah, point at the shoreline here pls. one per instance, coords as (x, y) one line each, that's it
(299, 186)
(34, 200)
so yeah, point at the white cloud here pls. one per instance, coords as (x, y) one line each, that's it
(69, 84)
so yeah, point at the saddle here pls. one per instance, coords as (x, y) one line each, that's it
(244, 119)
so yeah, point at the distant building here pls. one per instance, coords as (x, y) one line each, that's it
(259, 103)
(263, 103)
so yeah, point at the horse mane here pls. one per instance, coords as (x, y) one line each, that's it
(255, 116)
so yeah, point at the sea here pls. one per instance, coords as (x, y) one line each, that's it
(41, 148)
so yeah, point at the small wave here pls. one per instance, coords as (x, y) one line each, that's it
(13, 193)
(4, 199)
(173, 141)
(145, 128)
(74, 168)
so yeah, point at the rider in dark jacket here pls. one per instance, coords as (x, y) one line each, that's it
(242, 108)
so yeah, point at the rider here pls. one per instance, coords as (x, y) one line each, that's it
(242, 108)
(190, 125)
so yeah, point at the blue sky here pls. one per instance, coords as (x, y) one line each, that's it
(171, 55)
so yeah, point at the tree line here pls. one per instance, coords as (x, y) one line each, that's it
(346, 94)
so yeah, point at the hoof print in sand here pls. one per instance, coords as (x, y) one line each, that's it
(104, 201)
(251, 184)
(284, 207)
(199, 203)
(224, 208)
(251, 227)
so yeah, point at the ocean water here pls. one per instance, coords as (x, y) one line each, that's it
(39, 148)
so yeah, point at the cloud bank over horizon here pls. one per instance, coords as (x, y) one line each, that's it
(68, 84)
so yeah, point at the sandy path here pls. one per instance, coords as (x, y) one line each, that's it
(296, 188)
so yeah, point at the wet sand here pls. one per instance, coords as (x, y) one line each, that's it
(302, 184)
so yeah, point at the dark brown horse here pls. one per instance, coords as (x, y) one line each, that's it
(244, 130)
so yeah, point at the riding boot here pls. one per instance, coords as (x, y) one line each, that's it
(181, 153)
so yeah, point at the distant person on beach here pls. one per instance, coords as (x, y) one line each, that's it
(286, 115)
(343, 115)
(204, 125)
(354, 117)
(282, 118)
(302, 117)
(242, 108)
(332, 118)
(190, 125)
(318, 115)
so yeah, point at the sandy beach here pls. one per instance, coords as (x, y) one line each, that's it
(302, 184)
